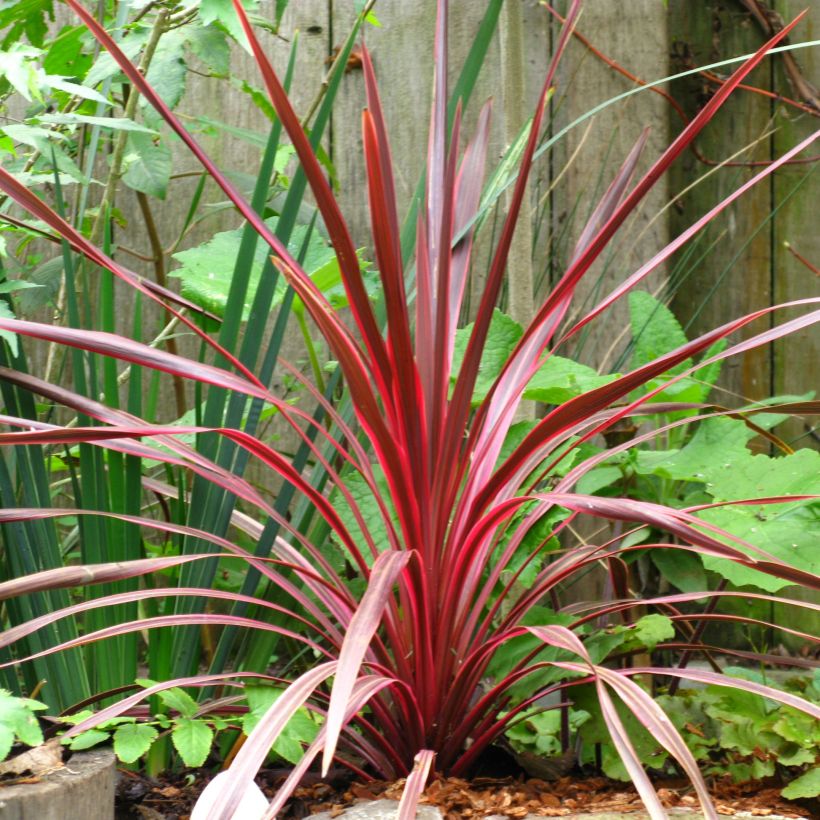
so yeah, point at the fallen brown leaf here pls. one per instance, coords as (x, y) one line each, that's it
(38, 761)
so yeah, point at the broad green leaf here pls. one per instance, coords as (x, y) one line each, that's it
(364, 499)
(105, 65)
(211, 46)
(502, 337)
(192, 739)
(510, 653)
(793, 755)
(207, 269)
(17, 715)
(596, 480)
(651, 630)
(717, 445)
(167, 72)
(683, 569)
(133, 740)
(655, 330)
(86, 740)
(805, 786)
(743, 772)
(559, 380)
(221, 11)
(300, 730)
(539, 731)
(790, 531)
(147, 165)
(594, 731)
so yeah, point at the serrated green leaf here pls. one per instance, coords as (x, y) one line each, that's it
(718, 444)
(211, 46)
(502, 337)
(45, 141)
(47, 277)
(18, 65)
(559, 380)
(300, 730)
(221, 11)
(28, 18)
(168, 72)
(655, 330)
(681, 568)
(207, 269)
(86, 740)
(192, 739)
(105, 66)
(76, 90)
(652, 629)
(180, 701)
(147, 165)
(790, 531)
(368, 505)
(133, 740)
(66, 56)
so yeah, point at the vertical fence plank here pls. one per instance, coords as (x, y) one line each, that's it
(796, 190)
(734, 278)
(587, 158)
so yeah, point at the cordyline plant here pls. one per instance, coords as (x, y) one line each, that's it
(410, 658)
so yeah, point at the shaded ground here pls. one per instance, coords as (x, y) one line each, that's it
(512, 797)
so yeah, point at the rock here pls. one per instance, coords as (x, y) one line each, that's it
(379, 810)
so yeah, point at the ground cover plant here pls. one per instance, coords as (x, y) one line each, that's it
(428, 582)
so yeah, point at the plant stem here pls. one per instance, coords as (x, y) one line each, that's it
(159, 274)
(114, 175)
(130, 111)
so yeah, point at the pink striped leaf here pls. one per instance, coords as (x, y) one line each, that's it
(363, 625)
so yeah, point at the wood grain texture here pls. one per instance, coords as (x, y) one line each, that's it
(749, 267)
(634, 35)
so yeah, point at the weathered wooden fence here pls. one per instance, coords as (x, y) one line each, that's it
(748, 266)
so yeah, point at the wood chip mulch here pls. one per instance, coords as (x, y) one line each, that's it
(517, 797)
(513, 797)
